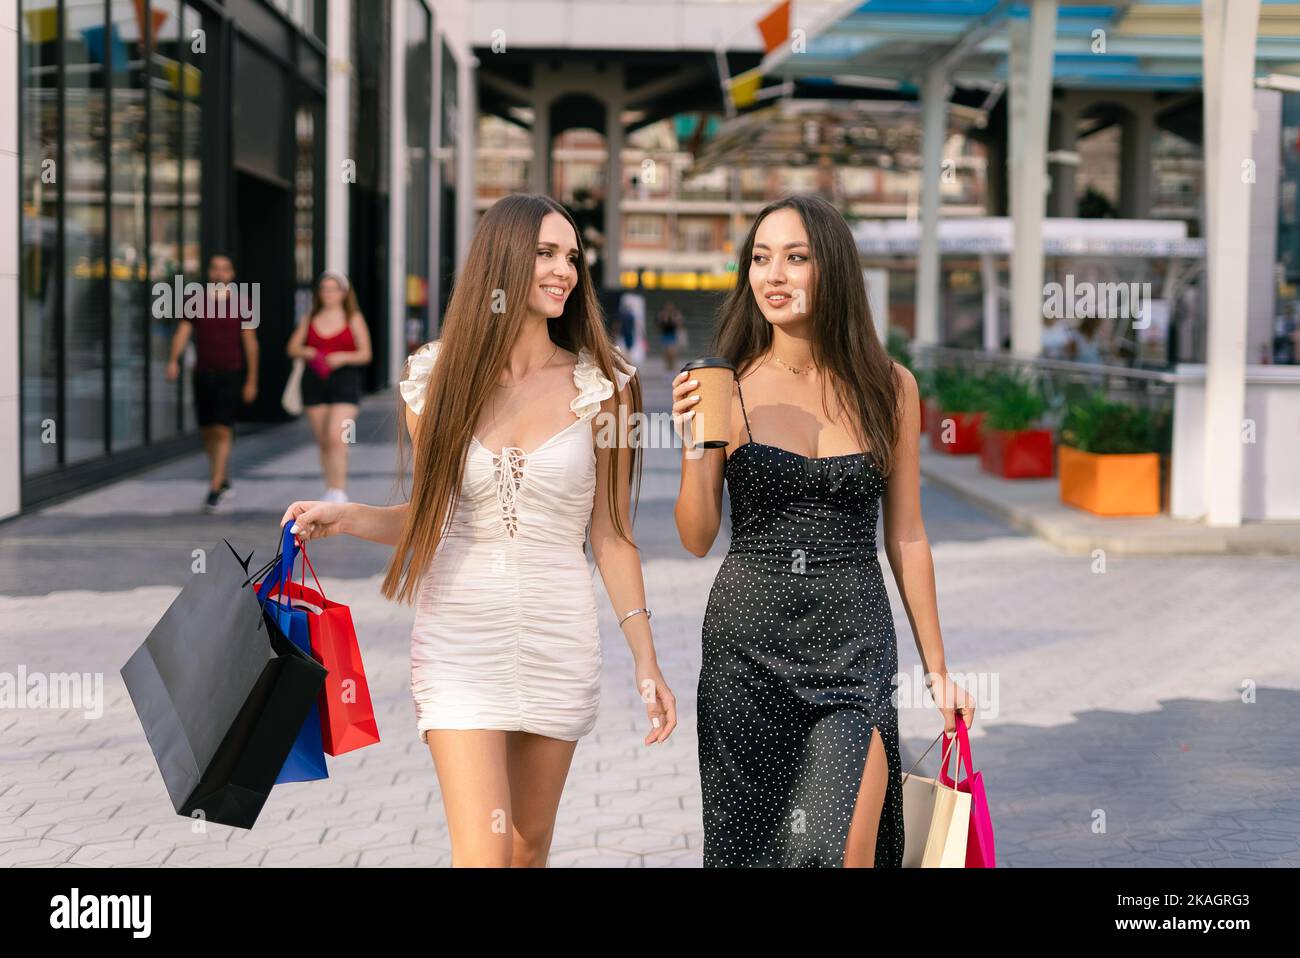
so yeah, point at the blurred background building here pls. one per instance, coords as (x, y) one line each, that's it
(143, 136)
(367, 136)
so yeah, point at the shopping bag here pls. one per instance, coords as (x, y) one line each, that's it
(979, 841)
(936, 818)
(347, 713)
(291, 398)
(221, 694)
(306, 760)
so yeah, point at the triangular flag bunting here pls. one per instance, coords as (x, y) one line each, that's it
(775, 26)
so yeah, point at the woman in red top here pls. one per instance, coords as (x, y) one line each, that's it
(334, 341)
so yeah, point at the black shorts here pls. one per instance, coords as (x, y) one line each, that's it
(218, 394)
(342, 385)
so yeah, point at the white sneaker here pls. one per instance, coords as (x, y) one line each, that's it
(335, 495)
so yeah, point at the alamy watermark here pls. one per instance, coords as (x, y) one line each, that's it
(53, 690)
(1087, 300)
(182, 300)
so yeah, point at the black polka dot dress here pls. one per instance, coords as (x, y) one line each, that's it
(799, 656)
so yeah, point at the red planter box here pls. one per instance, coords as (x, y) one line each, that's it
(1022, 454)
(965, 432)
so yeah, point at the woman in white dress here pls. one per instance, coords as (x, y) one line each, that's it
(505, 412)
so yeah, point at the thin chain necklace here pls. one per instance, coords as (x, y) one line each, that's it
(492, 400)
(784, 365)
(534, 371)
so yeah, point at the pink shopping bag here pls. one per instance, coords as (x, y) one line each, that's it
(979, 843)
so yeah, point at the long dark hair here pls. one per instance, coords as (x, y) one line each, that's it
(475, 347)
(844, 340)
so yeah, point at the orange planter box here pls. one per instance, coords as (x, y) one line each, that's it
(1110, 484)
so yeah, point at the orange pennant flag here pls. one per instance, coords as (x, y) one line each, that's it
(775, 26)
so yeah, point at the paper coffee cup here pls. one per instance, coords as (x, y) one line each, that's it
(711, 424)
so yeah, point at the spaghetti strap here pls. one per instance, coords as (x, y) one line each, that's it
(749, 435)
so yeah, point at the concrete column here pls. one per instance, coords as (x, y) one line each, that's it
(437, 161)
(338, 135)
(397, 351)
(1136, 147)
(10, 420)
(929, 267)
(539, 172)
(1030, 183)
(1064, 198)
(1017, 89)
(614, 139)
(1229, 56)
(466, 145)
(1266, 151)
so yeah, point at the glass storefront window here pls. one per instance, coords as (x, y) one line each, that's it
(125, 182)
(164, 211)
(39, 66)
(87, 43)
(129, 290)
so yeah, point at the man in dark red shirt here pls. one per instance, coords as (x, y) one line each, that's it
(224, 375)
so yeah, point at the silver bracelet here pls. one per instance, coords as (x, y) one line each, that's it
(629, 615)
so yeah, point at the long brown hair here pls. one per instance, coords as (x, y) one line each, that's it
(844, 340)
(350, 307)
(484, 317)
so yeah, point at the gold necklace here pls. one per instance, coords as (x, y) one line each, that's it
(784, 365)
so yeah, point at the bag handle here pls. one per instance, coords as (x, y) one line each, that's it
(307, 565)
(962, 749)
(943, 770)
(279, 574)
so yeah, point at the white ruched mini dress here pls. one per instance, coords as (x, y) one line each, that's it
(505, 633)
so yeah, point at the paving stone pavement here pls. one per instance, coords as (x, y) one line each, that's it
(1140, 715)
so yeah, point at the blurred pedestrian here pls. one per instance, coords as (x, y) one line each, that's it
(1058, 342)
(225, 373)
(1087, 341)
(671, 330)
(335, 343)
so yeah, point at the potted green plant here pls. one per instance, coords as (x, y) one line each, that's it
(929, 382)
(1013, 445)
(955, 428)
(1108, 462)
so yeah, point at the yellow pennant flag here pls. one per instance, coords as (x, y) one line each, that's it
(42, 25)
(744, 86)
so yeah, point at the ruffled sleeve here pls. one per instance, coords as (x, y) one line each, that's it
(593, 387)
(421, 365)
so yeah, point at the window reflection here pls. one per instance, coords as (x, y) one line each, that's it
(129, 280)
(87, 42)
(38, 45)
(164, 210)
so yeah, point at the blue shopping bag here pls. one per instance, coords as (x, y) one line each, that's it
(306, 761)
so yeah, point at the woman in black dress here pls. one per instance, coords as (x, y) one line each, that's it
(798, 728)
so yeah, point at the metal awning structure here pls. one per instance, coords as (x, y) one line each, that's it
(1131, 46)
(1222, 48)
(799, 133)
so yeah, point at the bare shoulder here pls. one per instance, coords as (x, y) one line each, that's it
(905, 377)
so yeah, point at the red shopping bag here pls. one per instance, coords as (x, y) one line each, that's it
(347, 714)
(979, 841)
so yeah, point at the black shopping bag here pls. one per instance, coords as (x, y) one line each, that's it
(221, 693)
